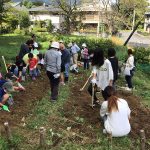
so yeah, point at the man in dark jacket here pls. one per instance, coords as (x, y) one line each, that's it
(25, 48)
(65, 63)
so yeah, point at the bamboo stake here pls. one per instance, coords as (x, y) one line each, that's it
(8, 131)
(42, 137)
(4, 63)
(110, 141)
(143, 140)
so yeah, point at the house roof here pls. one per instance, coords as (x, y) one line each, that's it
(44, 8)
(21, 8)
(91, 7)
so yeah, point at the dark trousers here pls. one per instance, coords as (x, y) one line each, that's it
(86, 63)
(54, 85)
(129, 79)
(95, 90)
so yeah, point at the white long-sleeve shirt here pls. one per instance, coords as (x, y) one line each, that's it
(103, 74)
(130, 62)
(117, 122)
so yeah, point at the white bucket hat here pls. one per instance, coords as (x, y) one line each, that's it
(70, 44)
(61, 41)
(55, 45)
(83, 45)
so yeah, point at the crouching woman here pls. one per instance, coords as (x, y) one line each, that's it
(115, 113)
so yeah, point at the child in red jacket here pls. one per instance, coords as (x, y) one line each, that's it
(32, 66)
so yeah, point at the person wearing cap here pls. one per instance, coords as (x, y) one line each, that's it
(5, 92)
(52, 61)
(85, 56)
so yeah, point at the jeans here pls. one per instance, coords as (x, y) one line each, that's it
(67, 68)
(54, 85)
(33, 73)
(86, 63)
(16, 71)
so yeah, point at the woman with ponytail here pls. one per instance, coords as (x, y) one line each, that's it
(115, 113)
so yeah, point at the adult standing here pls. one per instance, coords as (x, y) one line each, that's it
(25, 48)
(114, 63)
(35, 44)
(74, 50)
(129, 70)
(102, 73)
(115, 113)
(52, 61)
(85, 56)
(65, 64)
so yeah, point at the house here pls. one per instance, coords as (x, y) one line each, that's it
(94, 15)
(46, 12)
(147, 22)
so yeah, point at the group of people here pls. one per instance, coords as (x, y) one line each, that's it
(114, 111)
(58, 61)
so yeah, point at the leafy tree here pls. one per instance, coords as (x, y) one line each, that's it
(3, 11)
(50, 26)
(28, 4)
(24, 19)
(123, 11)
(69, 11)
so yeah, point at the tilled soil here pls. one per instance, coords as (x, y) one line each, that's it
(76, 107)
(25, 101)
(81, 101)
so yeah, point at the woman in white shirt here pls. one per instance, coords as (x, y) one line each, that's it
(115, 113)
(130, 65)
(102, 73)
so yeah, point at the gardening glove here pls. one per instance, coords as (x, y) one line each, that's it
(4, 107)
(93, 81)
(57, 75)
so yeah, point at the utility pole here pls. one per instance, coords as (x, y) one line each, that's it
(133, 23)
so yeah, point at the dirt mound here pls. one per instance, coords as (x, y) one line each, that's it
(25, 101)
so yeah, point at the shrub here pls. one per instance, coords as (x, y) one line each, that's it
(38, 29)
(142, 55)
(18, 31)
